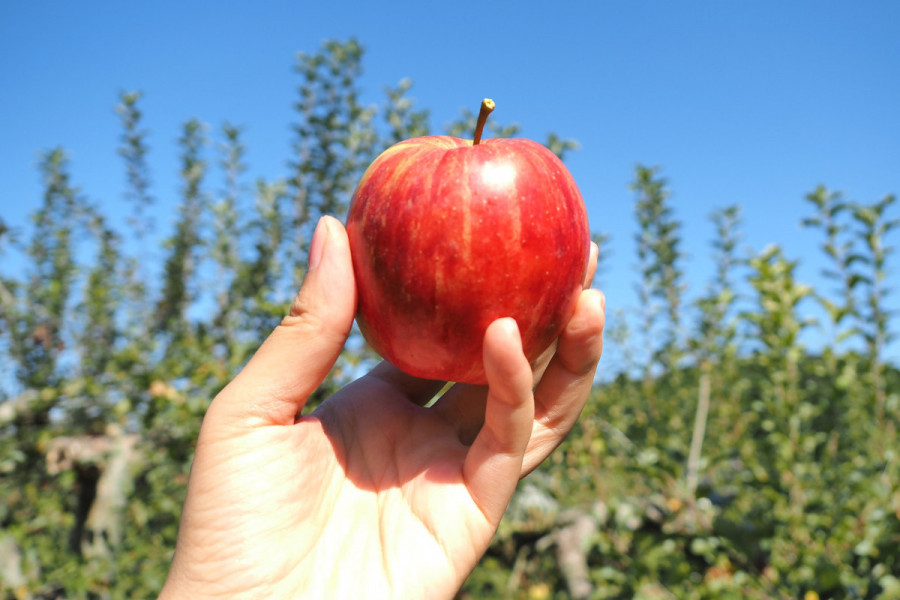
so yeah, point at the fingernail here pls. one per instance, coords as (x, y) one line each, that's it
(511, 326)
(317, 246)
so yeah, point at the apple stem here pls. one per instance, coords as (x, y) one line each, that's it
(487, 105)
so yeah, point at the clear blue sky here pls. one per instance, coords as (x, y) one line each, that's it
(752, 103)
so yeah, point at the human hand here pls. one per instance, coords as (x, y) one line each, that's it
(372, 495)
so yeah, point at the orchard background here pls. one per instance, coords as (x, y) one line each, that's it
(722, 453)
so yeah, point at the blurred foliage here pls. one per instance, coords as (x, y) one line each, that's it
(749, 466)
(718, 458)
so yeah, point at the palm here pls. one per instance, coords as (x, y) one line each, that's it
(406, 486)
(391, 497)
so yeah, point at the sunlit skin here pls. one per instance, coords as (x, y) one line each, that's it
(448, 236)
(372, 495)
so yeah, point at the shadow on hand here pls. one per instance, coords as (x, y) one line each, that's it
(386, 432)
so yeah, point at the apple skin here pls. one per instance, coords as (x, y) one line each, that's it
(447, 236)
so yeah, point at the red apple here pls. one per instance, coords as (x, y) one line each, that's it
(448, 235)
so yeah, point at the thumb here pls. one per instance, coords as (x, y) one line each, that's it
(299, 353)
